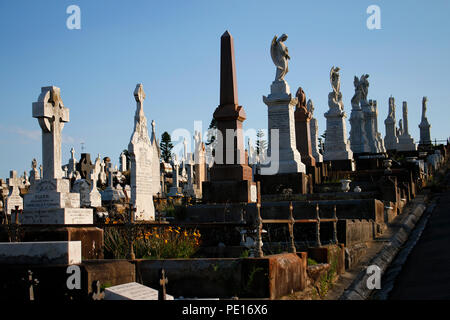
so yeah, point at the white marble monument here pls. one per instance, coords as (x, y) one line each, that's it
(280, 107)
(364, 135)
(337, 146)
(140, 151)
(13, 199)
(51, 201)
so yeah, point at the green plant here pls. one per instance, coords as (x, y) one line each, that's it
(244, 254)
(312, 262)
(155, 244)
(251, 279)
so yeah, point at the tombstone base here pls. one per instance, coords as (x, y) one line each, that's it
(227, 172)
(342, 165)
(91, 238)
(299, 183)
(56, 216)
(229, 191)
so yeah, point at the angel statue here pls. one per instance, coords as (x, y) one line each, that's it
(280, 56)
(335, 97)
(335, 80)
(364, 85)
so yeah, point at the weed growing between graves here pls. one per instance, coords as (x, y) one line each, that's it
(157, 243)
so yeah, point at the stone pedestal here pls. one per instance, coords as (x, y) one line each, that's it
(230, 175)
(358, 140)
(298, 183)
(229, 191)
(405, 141)
(337, 147)
(425, 135)
(314, 130)
(374, 141)
(52, 203)
(342, 165)
(391, 139)
(281, 106)
(91, 238)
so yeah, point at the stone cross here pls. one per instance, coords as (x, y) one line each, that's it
(110, 175)
(86, 166)
(51, 114)
(162, 282)
(14, 183)
(31, 284)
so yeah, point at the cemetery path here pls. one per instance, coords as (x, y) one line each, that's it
(425, 275)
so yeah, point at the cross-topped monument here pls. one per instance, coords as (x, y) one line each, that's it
(51, 114)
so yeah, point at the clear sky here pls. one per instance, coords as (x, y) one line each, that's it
(173, 48)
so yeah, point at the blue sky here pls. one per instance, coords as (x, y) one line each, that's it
(173, 48)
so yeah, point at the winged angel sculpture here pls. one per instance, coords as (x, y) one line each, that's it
(280, 56)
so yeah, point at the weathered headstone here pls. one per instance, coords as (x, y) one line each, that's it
(140, 151)
(391, 139)
(51, 201)
(14, 199)
(85, 166)
(110, 194)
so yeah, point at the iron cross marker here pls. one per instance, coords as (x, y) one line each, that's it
(162, 282)
(51, 114)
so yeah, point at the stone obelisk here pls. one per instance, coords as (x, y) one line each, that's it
(230, 176)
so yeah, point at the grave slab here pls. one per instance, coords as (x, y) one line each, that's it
(51, 252)
(132, 291)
